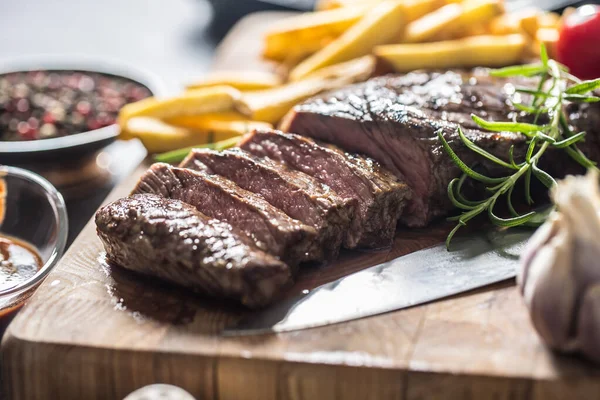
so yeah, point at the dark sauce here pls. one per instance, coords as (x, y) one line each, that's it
(19, 261)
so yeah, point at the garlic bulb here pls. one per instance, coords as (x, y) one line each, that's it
(559, 274)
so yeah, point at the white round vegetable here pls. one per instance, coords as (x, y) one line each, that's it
(559, 275)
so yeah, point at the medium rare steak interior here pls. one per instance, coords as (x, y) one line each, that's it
(298, 195)
(379, 194)
(217, 197)
(172, 240)
(394, 119)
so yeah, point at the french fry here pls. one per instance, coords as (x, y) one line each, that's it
(227, 122)
(512, 22)
(452, 20)
(381, 25)
(158, 136)
(432, 24)
(241, 80)
(548, 20)
(332, 4)
(271, 105)
(549, 37)
(415, 9)
(193, 102)
(488, 50)
(357, 70)
(305, 34)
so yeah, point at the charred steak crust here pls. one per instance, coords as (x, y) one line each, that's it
(379, 196)
(298, 195)
(394, 119)
(272, 230)
(173, 241)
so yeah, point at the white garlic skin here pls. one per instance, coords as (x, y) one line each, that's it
(559, 275)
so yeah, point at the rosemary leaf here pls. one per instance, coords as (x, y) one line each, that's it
(519, 127)
(481, 151)
(510, 222)
(455, 201)
(544, 56)
(178, 155)
(528, 197)
(584, 87)
(509, 203)
(580, 98)
(518, 70)
(569, 141)
(459, 195)
(464, 168)
(529, 109)
(544, 177)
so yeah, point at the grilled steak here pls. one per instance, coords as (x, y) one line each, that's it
(380, 195)
(394, 119)
(171, 240)
(217, 197)
(298, 195)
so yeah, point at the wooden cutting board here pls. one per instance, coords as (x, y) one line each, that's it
(95, 333)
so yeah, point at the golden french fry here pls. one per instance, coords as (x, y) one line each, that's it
(512, 22)
(158, 136)
(488, 50)
(331, 4)
(381, 25)
(415, 9)
(452, 20)
(307, 33)
(241, 80)
(548, 20)
(549, 37)
(193, 102)
(272, 104)
(432, 24)
(226, 122)
(357, 70)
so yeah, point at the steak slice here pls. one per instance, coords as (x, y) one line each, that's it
(394, 119)
(298, 195)
(173, 241)
(380, 195)
(272, 230)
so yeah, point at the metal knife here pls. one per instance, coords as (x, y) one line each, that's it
(430, 274)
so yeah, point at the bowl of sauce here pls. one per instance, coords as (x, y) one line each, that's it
(33, 234)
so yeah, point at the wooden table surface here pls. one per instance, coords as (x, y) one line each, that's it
(91, 332)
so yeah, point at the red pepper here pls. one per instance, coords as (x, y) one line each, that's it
(578, 45)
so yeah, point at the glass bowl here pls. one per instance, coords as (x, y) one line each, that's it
(35, 213)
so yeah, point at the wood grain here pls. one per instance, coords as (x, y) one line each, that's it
(92, 332)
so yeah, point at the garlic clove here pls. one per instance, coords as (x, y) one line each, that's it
(539, 238)
(588, 327)
(549, 290)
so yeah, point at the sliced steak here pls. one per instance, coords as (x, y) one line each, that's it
(272, 230)
(394, 119)
(173, 241)
(380, 195)
(298, 195)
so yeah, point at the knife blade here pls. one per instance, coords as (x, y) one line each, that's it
(430, 274)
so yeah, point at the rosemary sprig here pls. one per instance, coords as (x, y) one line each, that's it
(176, 156)
(555, 89)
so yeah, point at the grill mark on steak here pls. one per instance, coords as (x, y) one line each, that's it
(379, 204)
(171, 240)
(298, 195)
(394, 119)
(272, 230)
